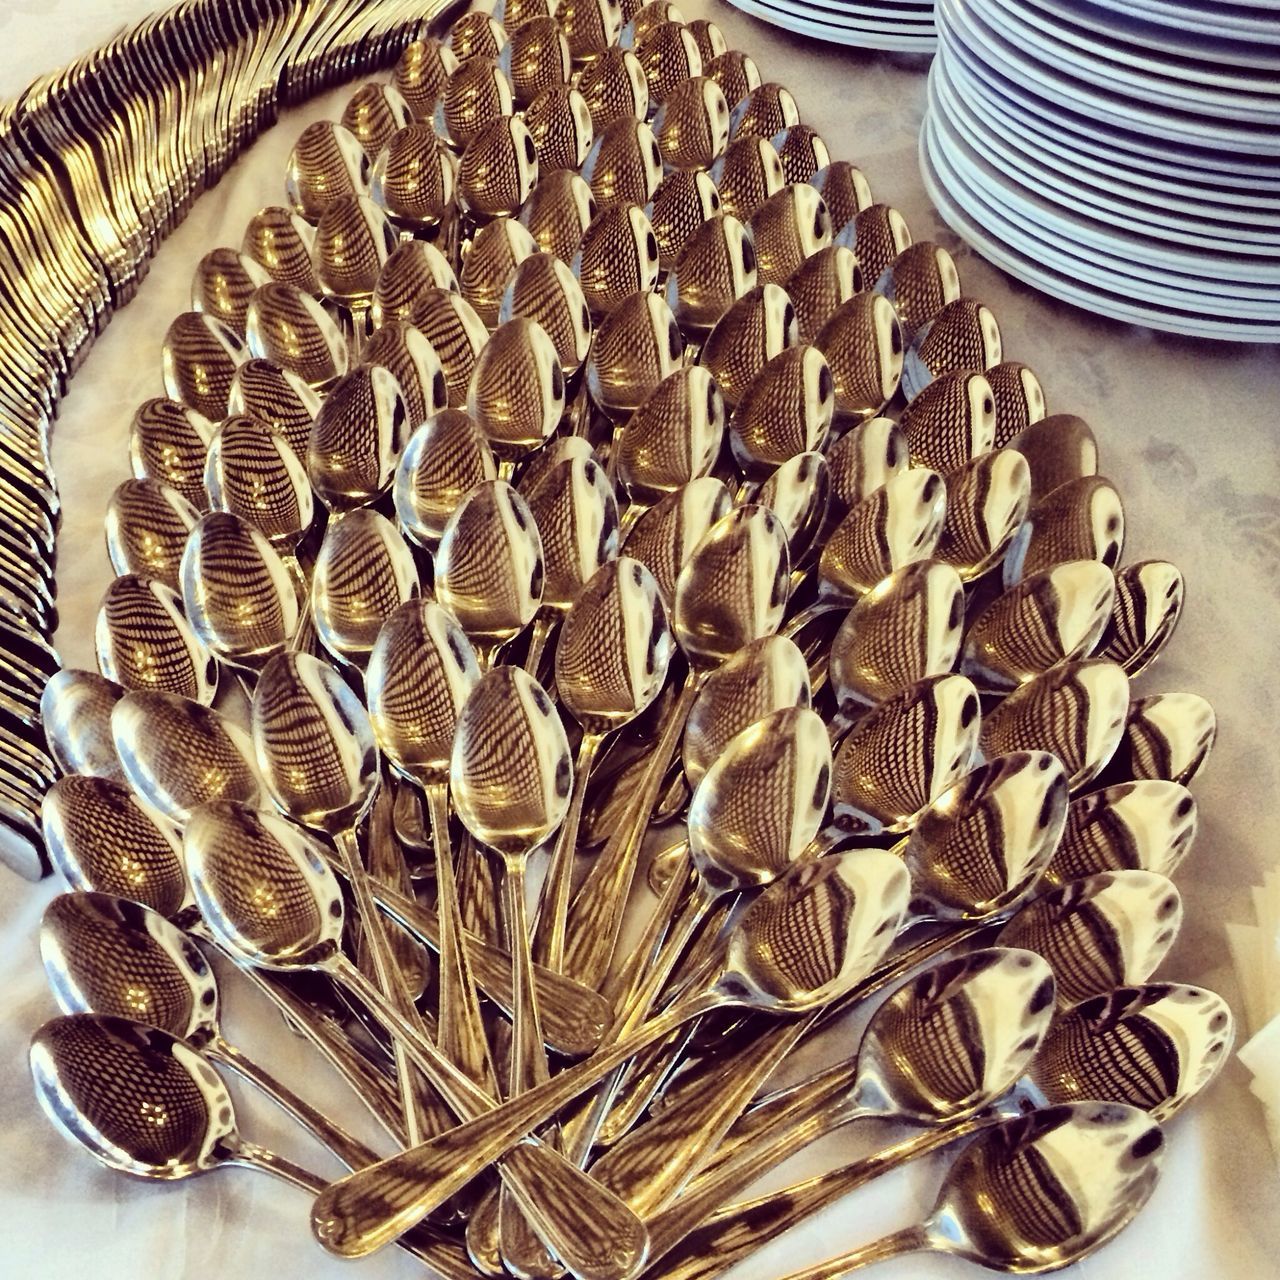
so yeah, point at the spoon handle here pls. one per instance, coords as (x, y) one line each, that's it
(369, 1208)
(574, 1018)
(549, 933)
(908, 1240)
(737, 1230)
(353, 1153)
(461, 1036)
(595, 918)
(425, 1243)
(650, 1165)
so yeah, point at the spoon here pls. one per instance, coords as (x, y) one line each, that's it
(177, 754)
(543, 289)
(624, 165)
(364, 572)
(672, 439)
(1168, 736)
(787, 410)
(408, 281)
(237, 592)
(413, 179)
(143, 1102)
(497, 249)
(279, 241)
(1076, 710)
(327, 162)
(1149, 825)
(731, 591)
(355, 437)
(402, 349)
(1058, 449)
(489, 568)
(1054, 616)
(558, 211)
(617, 256)
(144, 641)
(294, 332)
(692, 125)
(798, 493)
(200, 355)
(757, 327)
(789, 227)
(919, 282)
(315, 747)
(1080, 520)
(222, 284)
(167, 443)
(449, 322)
(987, 501)
(1148, 605)
(573, 506)
(278, 399)
(636, 346)
(664, 537)
(895, 525)
(109, 956)
(938, 1051)
(420, 672)
(880, 786)
(716, 266)
(516, 392)
(537, 56)
(443, 461)
(1045, 1220)
(860, 461)
(951, 422)
(611, 662)
(862, 341)
(963, 335)
(822, 282)
(147, 525)
(375, 113)
(253, 472)
(75, 710)
(859, 900)
(226, 873)
(749, 172)
(907, 628)
(1154, 1047)
(134, 853)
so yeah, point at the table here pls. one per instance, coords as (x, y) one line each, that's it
(1187, 431)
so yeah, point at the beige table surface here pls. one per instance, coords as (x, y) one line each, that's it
(1188, 431)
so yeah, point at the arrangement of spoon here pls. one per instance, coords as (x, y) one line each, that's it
(619, 457)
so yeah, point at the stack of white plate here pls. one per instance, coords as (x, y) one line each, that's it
(1121, 154)
(905, 26)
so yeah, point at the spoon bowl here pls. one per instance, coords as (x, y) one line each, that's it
(75, 710)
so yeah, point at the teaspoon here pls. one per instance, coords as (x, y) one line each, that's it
(75, 710)
(147, 525)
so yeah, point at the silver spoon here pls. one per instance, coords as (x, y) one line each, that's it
(144, 641)
(611, 662)
(167, 443)
(147, 525)
(489, 570)
(237, 592)
(173, 1117)
(177, 754)
(75, 710)
(1096, 1164)
(420, 672)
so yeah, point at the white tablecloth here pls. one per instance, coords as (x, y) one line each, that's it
(1187, 431)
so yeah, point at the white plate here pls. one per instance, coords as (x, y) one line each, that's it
(991, 93)
(882, 15)
(1215, 59)
(1205, 16)
(1007, 145)
(891, 40)
(1125, 145)
(1055, 86)
(1057, 284)
(1147, 79)
(1102, 267)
